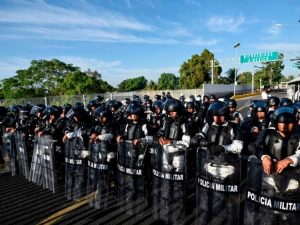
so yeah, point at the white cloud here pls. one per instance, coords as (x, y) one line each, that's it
(228, 24)
(274, 29)
(41, 13)
(11, 65)
(283, 47)
(202, 42)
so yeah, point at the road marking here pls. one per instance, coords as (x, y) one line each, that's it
(60, 214)
(241, 108)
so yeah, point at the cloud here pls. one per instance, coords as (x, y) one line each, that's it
(284, 47)
(275, 29)
(41, 13)
(40, 20)
(202, 42)
(228, 24)
(9, 66)
(194, 3)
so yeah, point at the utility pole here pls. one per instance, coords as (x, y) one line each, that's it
(212, 65)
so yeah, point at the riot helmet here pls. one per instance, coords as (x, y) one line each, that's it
(103, 111)
(49, 111)
(285, 114)
(273, 101)
(232, 103)
(218, 108)
(285, 102)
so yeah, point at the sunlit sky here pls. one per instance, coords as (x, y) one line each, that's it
(123, 39)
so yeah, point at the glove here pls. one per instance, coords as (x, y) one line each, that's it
(85, 153)
(110, 156)
(140, 161)
(195, 141)
(216, 149)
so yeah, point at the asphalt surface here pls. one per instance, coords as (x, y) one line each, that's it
(22, 202)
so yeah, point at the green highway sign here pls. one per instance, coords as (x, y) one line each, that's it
(259, 57)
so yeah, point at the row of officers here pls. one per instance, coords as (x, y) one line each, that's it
(177, 157)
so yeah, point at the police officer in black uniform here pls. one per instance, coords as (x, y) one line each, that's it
(219, 167)
(274, 187)
(101, 164)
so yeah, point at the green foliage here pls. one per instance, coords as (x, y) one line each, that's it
(167, 81)
(51, 77)
(269, 73)
(231, 75)
(151, 85)
(288, 78)
(296, 62)
(197, 70)
(133, 84)
(79, 83)
(245, 78)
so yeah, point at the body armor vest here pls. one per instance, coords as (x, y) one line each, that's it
(220, 135)
(280, 147)
(172, 129)
(134, 131)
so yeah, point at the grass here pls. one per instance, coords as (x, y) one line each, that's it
(246, 95)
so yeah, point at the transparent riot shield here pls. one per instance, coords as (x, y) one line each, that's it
(168, 184)
(272, 199)
(98, 175)
(22, 154)
(218, 193)
(9, 153)
(131, 183)
(74, 179)
(35, 174)
(49, 179)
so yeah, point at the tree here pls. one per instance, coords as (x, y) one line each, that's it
(151, 85)
(296, 62)
(167, 81)
(51, 77)
(270, 72)
(245, 78)
(288, 78)
(44, 74)
(133, 84)
(79, 83)
(197, 70)
(231, 73)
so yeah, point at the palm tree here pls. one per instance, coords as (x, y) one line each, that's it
(231, 74)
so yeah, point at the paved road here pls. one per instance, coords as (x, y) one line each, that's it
(244, 103)
(22, 202)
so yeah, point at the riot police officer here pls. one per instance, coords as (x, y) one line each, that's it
(101, 164)
(76, 139)
(132, 156)
(169, 165)
(219, 168)
(235, 116)
(273, 184)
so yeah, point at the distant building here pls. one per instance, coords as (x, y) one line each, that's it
(95, 74)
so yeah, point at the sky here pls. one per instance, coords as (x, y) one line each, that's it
(123, 39)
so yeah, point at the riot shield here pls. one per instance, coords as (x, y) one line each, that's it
(74, 179)
(98, 175)
(35, 174)
(168, 184)
(22, 154)
(9, 153)
(218, 188)
(131, 186)
(272, 199)
(47, 144)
